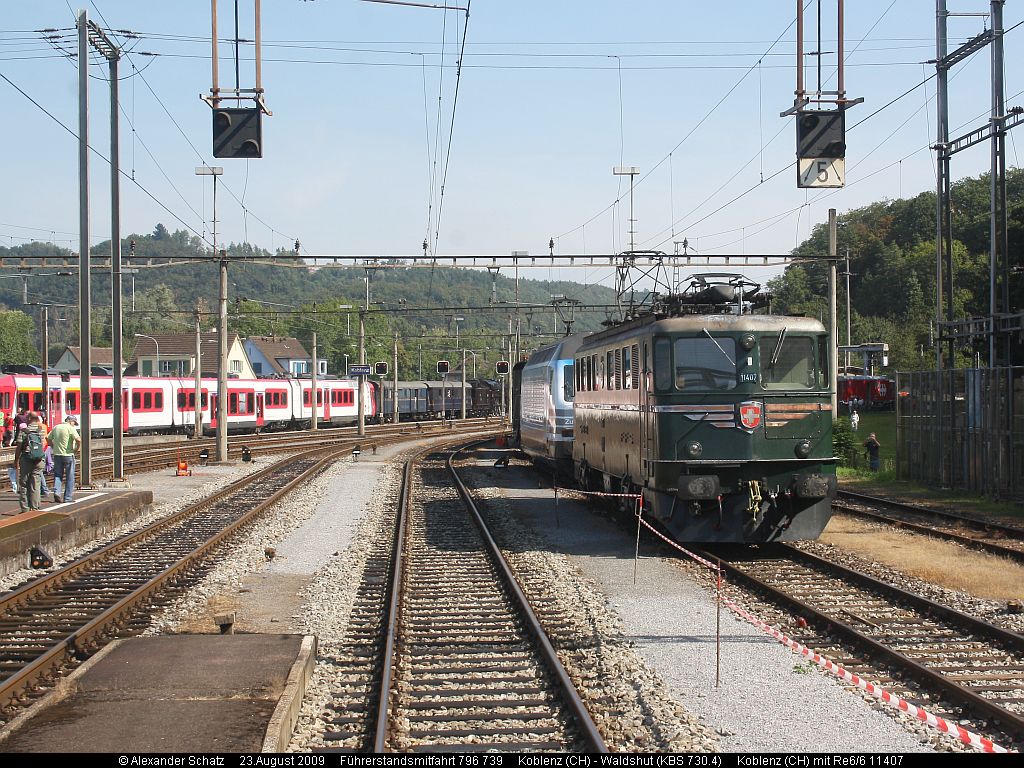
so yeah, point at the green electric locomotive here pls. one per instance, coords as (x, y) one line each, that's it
(719, 416)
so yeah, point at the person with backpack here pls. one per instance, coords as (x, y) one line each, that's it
(29, 457)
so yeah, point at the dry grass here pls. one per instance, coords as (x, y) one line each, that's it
(939, 562)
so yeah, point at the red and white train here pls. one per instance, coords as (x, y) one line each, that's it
(167, 404)
(867, 392)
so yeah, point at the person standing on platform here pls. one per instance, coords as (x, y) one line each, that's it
(64, 442)
(854, 421)
(29, 455)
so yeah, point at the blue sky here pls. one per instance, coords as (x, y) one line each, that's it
(552, 96)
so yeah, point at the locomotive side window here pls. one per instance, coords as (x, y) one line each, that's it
(823, 366)
(569, 391)
(787, 361)
(705, 363)
(662, 364)
(627, 368)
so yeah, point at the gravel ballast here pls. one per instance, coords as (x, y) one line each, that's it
(767, 701)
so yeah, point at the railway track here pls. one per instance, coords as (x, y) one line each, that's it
(66, 615)
(975, 667)
(444, 651)
(146, 458)
(970, 531)
(50, 623)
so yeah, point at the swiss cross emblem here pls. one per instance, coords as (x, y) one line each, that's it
(750, 415)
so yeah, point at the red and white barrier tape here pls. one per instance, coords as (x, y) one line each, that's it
(578, 492)
(967, 737)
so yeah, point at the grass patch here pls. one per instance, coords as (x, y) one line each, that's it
(935, 561)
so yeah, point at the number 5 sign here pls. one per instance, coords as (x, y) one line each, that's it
(821, 172)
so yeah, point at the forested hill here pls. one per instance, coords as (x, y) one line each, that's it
(267, 299)
(892, 258)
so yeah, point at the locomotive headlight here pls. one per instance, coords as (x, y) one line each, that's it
(694, 449)
(747, 341)
(803, 449)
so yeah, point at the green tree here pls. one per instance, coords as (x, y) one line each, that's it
(16, 333)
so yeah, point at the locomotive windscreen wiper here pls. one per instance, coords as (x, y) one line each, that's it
(778, 348)
(715, 342)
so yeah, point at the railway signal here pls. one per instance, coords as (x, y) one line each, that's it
(442, 366)
(380, 368)
(821, 148)
(237, 132)
(501, 367)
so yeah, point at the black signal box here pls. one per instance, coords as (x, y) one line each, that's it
(442, 366)
(238, 132)
(501, 367)
(821, 133)
(380, 369)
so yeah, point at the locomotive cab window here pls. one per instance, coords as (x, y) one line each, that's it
(787, 361)
(663, 364)
(568, 390)
(705, 363)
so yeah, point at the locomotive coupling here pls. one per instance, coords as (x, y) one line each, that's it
(698, 487)
(814, 486)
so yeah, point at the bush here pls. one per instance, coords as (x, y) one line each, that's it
(844, 443)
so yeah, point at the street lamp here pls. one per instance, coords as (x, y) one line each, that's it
(345, 354)
(157, 343)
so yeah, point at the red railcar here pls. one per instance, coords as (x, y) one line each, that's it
(867, 392)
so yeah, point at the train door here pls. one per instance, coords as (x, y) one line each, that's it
(213, 410)
(124, 409)
(649, 436)
(259, 410)
(326, 410)
(55, 410)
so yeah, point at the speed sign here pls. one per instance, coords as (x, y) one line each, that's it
(821, 172)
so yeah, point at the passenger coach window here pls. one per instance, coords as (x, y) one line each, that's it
(705, 363)
(787, 361)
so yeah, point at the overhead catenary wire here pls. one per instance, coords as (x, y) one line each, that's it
(451, 128)
(103, 157)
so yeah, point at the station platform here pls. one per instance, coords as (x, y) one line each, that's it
(58, 527)
(174, 693)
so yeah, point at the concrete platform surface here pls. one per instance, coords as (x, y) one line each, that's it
(174, 693)
(59, 527)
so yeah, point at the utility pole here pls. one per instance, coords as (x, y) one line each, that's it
(222, 362)
(46, 366)
(84, 288)
(847, 273)
(113, 55)
(198, 376)
(313, 390)
(394, 380)
(997, 201)
(833, 330)
(463, 384)
(362, 379)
